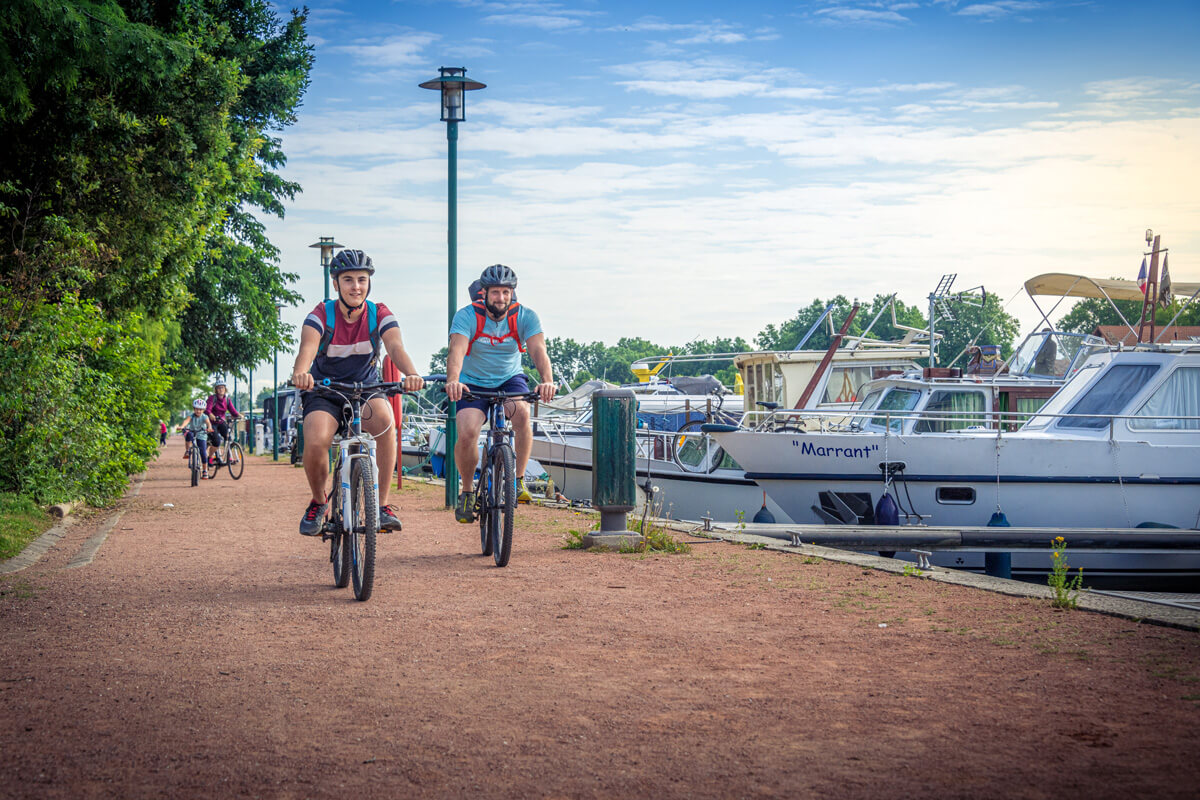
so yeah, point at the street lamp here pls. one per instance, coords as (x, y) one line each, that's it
(275, 409)
(327, 244)
(454, 85)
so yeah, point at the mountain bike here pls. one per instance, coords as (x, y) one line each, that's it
(353, 522)
(195, 463)
(228, 455)
(496, 490)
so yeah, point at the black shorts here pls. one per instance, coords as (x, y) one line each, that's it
(515, 384)
(311, 401)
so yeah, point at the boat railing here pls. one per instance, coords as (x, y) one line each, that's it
(689, 449)
(897, 421)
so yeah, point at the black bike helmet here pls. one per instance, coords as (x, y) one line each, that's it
(347, 260)
(498, 275)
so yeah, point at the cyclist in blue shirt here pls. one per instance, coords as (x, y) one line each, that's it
(486, 342)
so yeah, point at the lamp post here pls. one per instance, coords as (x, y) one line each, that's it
(454, 85)
(327, 245)
(250, 414)
(275, 408)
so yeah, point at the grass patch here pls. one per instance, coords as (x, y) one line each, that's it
(21, 521)
(19, 588)
(573, 540)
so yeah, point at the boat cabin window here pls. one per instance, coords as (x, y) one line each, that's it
(957, 410)
(896, 400)
(844, 383)
(1111, 392)
(1179, 396)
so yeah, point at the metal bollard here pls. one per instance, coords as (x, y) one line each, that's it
(614, 493)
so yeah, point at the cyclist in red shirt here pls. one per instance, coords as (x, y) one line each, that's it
(349, 356)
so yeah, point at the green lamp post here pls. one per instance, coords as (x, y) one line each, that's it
(454, 85)
(327, 245)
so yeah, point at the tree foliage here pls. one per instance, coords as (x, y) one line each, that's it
(136, 143)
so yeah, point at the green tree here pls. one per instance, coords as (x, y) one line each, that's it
(1091, 312)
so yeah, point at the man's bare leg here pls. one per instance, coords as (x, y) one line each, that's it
(469, 423)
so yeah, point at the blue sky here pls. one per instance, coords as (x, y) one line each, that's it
(691, 170)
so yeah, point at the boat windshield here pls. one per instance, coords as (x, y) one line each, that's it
(895, 400)
(1111, 392)
(1051, 354)
(1179, 396)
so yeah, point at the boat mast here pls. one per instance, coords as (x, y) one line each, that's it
(1150, 301)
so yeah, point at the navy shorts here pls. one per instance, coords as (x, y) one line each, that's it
(513, 385)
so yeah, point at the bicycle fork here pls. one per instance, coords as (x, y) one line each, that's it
(347, 459)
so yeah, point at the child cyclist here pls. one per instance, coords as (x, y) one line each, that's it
(197, 428)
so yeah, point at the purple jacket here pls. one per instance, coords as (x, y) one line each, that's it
(220, 406)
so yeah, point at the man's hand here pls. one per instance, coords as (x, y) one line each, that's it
(546, 391)
(413, 383)
(303, 381)
(454, 391)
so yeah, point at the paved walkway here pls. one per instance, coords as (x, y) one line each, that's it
(203, 651)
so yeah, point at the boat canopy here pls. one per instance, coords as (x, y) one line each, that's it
(1061, 284)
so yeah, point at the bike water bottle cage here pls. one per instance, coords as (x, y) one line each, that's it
(481, 317)
(331, 316)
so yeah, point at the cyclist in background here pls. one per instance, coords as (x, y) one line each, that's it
(487, 339)
(340, 340)
(217, 406)
(197, 427)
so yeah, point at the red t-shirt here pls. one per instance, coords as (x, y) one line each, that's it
(349, 357)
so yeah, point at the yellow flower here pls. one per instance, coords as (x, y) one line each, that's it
(1056, 554)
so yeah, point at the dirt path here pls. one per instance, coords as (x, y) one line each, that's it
(204, 652)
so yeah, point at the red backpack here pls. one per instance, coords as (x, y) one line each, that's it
(481, 316)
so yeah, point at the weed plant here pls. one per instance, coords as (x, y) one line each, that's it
(1066, 588)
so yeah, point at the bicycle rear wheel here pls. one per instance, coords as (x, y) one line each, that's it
(485, 507)
(235, 462)
(504, 509)
(364, 518)
(339, 541)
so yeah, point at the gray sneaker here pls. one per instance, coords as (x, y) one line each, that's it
(388, 521)
(313, 520)
(464, 509)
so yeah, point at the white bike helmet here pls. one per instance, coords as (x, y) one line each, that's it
(198, 403)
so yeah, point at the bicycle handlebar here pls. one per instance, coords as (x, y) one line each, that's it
(484, 394)
(389, 388)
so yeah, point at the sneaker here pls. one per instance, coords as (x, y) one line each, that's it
(388, 521)
(464, 509)
(523, 495)
(313, 519)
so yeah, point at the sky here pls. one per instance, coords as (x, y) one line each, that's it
(680, 171)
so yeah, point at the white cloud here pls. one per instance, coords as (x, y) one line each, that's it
(999, 8)
(861, 16)
(400, 50)
(548, 23)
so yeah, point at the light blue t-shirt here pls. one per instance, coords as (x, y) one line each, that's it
(491, 363)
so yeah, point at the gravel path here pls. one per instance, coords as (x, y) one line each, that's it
(205, 653)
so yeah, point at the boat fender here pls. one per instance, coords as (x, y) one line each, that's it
(764, 515)
(886, 511)
(998, 520)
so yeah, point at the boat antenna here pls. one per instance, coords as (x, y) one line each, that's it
(940, 300)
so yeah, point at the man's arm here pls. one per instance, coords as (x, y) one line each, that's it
(399, 356)
(536, 347)
(454, 361)
(310, 340)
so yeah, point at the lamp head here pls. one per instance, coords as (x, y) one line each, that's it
(453, 84)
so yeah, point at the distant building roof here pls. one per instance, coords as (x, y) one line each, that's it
(1114, 334)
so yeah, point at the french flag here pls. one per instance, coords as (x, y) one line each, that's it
(1142, 276)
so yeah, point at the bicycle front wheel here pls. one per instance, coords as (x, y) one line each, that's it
(194, 463)
(235, 462)
(504, 509)
(364, 528)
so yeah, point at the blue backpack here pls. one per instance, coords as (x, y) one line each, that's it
(331, 316)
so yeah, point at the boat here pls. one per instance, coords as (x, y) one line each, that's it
(1118, 445)
(684, 474)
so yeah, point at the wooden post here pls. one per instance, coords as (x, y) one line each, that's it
(391, 373)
